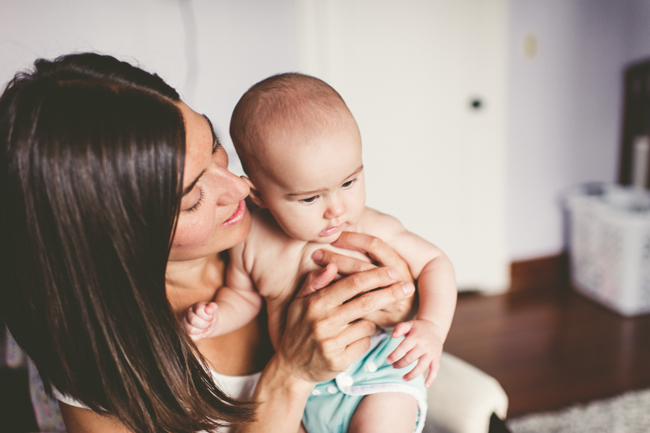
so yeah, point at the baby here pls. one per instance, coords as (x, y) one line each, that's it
(301, 149)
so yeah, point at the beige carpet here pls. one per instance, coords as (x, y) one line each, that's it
(627, 413)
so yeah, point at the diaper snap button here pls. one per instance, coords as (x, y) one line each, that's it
(346, 381)
(371, 367)
(315, 392)
(331, 389)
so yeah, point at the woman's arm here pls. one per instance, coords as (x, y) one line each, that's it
(323, 336)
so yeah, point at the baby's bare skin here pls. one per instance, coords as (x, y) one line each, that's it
(301, 149)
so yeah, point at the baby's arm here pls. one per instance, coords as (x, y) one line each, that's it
(234, 305)
(436, 285)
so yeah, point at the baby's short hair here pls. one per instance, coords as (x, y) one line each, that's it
(297, 101)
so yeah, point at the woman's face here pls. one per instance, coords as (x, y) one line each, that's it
(213, 214)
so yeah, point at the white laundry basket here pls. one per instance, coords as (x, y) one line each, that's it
(609, 245)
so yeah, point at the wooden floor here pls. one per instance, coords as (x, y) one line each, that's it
(550, 347)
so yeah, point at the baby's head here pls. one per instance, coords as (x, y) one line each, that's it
(301, 149)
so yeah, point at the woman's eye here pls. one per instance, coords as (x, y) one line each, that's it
(309, 200)
(196, 205)
(349, 183)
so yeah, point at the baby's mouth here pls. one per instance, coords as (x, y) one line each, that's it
(331, 231)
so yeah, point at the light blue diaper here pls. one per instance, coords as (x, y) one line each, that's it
(331, 404)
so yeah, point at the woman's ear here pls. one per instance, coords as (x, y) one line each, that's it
(255, 193)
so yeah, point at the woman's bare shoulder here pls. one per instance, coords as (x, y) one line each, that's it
(81, 420)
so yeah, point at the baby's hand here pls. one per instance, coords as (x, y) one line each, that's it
(423, 344)
(201, 320)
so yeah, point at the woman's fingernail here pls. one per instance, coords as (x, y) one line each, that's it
(393, 273)
(318, 254)
(408, 288)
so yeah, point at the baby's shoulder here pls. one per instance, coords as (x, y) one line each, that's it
(379, 224)
(267, 245)
(265, 233)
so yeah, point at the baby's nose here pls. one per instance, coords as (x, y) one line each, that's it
(335, 209)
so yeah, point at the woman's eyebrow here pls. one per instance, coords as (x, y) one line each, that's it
(215, 138)
(190, 186)
(215, 144)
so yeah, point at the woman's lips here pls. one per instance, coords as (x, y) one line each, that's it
(237, 216)
(331, 231)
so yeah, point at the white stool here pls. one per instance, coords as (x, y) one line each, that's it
(463, 398)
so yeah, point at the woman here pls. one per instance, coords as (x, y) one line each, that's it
(118, 207)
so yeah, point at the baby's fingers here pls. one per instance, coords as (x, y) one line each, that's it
(205, 310)
(402, 349)
(402, 329)
(421, 366)
(434, 368)
(413, 355)
(194, 320)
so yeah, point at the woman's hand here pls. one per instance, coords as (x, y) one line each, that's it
(381, 254)
(325, 332)
(324, 335)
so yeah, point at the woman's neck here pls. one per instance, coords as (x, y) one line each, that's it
(192, 281)
(244, 351)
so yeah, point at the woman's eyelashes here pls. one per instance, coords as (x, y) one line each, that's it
(196, 205)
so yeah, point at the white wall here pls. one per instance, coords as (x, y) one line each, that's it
(408, 71)
(564, 107)
(232, 44)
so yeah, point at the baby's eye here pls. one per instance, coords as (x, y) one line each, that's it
(309, 200)
(349, 183)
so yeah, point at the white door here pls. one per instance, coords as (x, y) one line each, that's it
(409, 71)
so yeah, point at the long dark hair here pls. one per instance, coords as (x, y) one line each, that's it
(91, 164)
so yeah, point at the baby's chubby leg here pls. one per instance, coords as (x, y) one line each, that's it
(385, 412)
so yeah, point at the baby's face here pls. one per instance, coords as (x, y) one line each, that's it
(315, 186)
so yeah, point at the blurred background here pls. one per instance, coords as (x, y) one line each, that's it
(475, 114)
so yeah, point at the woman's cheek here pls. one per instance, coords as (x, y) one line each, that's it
(191, 232)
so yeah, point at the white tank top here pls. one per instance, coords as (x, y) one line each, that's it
(240, 387)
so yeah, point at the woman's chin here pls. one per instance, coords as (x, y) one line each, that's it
(228, 237)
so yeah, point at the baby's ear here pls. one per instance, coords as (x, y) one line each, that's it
(255, 193)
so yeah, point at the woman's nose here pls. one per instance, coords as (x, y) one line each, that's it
(335, 209)
(233, 189)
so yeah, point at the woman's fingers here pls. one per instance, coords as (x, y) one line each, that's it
(324, 335)
(355, 331)
(352, 342)
(354, 285)
(347, 265)
(353, 351)
(318, 280)
(376, 249)
(374, 301)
